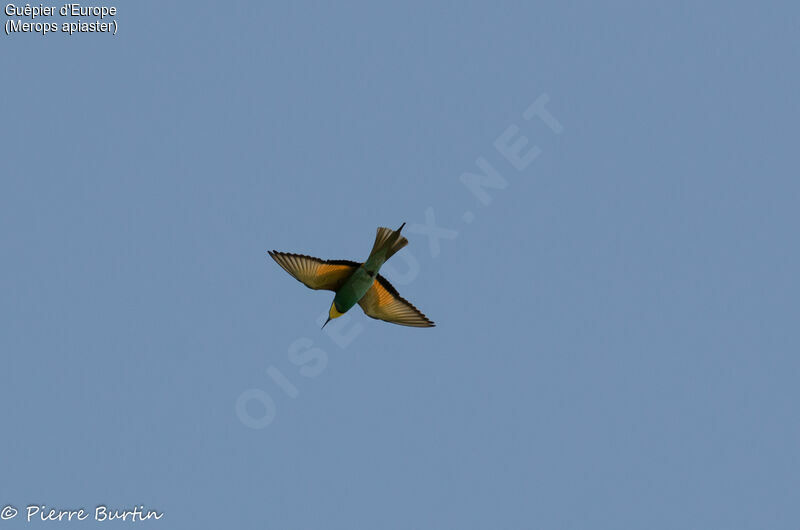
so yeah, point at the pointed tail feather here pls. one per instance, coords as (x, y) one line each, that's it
(388, 239)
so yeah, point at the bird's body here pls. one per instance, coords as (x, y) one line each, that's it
(358, 283)
(353, 290)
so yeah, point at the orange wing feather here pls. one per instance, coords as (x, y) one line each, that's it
(383, 302)
(314, 272)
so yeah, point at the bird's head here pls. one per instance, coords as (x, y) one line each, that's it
(333, 313)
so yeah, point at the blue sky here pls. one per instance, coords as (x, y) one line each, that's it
(616, 341)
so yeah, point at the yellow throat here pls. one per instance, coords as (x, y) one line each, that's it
(334, 313)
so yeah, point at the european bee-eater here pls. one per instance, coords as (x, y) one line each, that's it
(358, 283)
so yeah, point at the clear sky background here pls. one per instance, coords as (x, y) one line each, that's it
(617, 330)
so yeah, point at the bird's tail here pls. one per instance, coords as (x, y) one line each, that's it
(388, 240)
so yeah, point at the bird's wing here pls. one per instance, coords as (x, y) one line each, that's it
(314, 272)
(384, 303)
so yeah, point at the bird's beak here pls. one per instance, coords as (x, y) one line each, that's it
(326, 322)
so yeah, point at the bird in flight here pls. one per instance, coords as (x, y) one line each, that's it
(358, 283)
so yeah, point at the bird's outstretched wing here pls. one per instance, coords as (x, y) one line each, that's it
(314, 272)
(384, 303)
